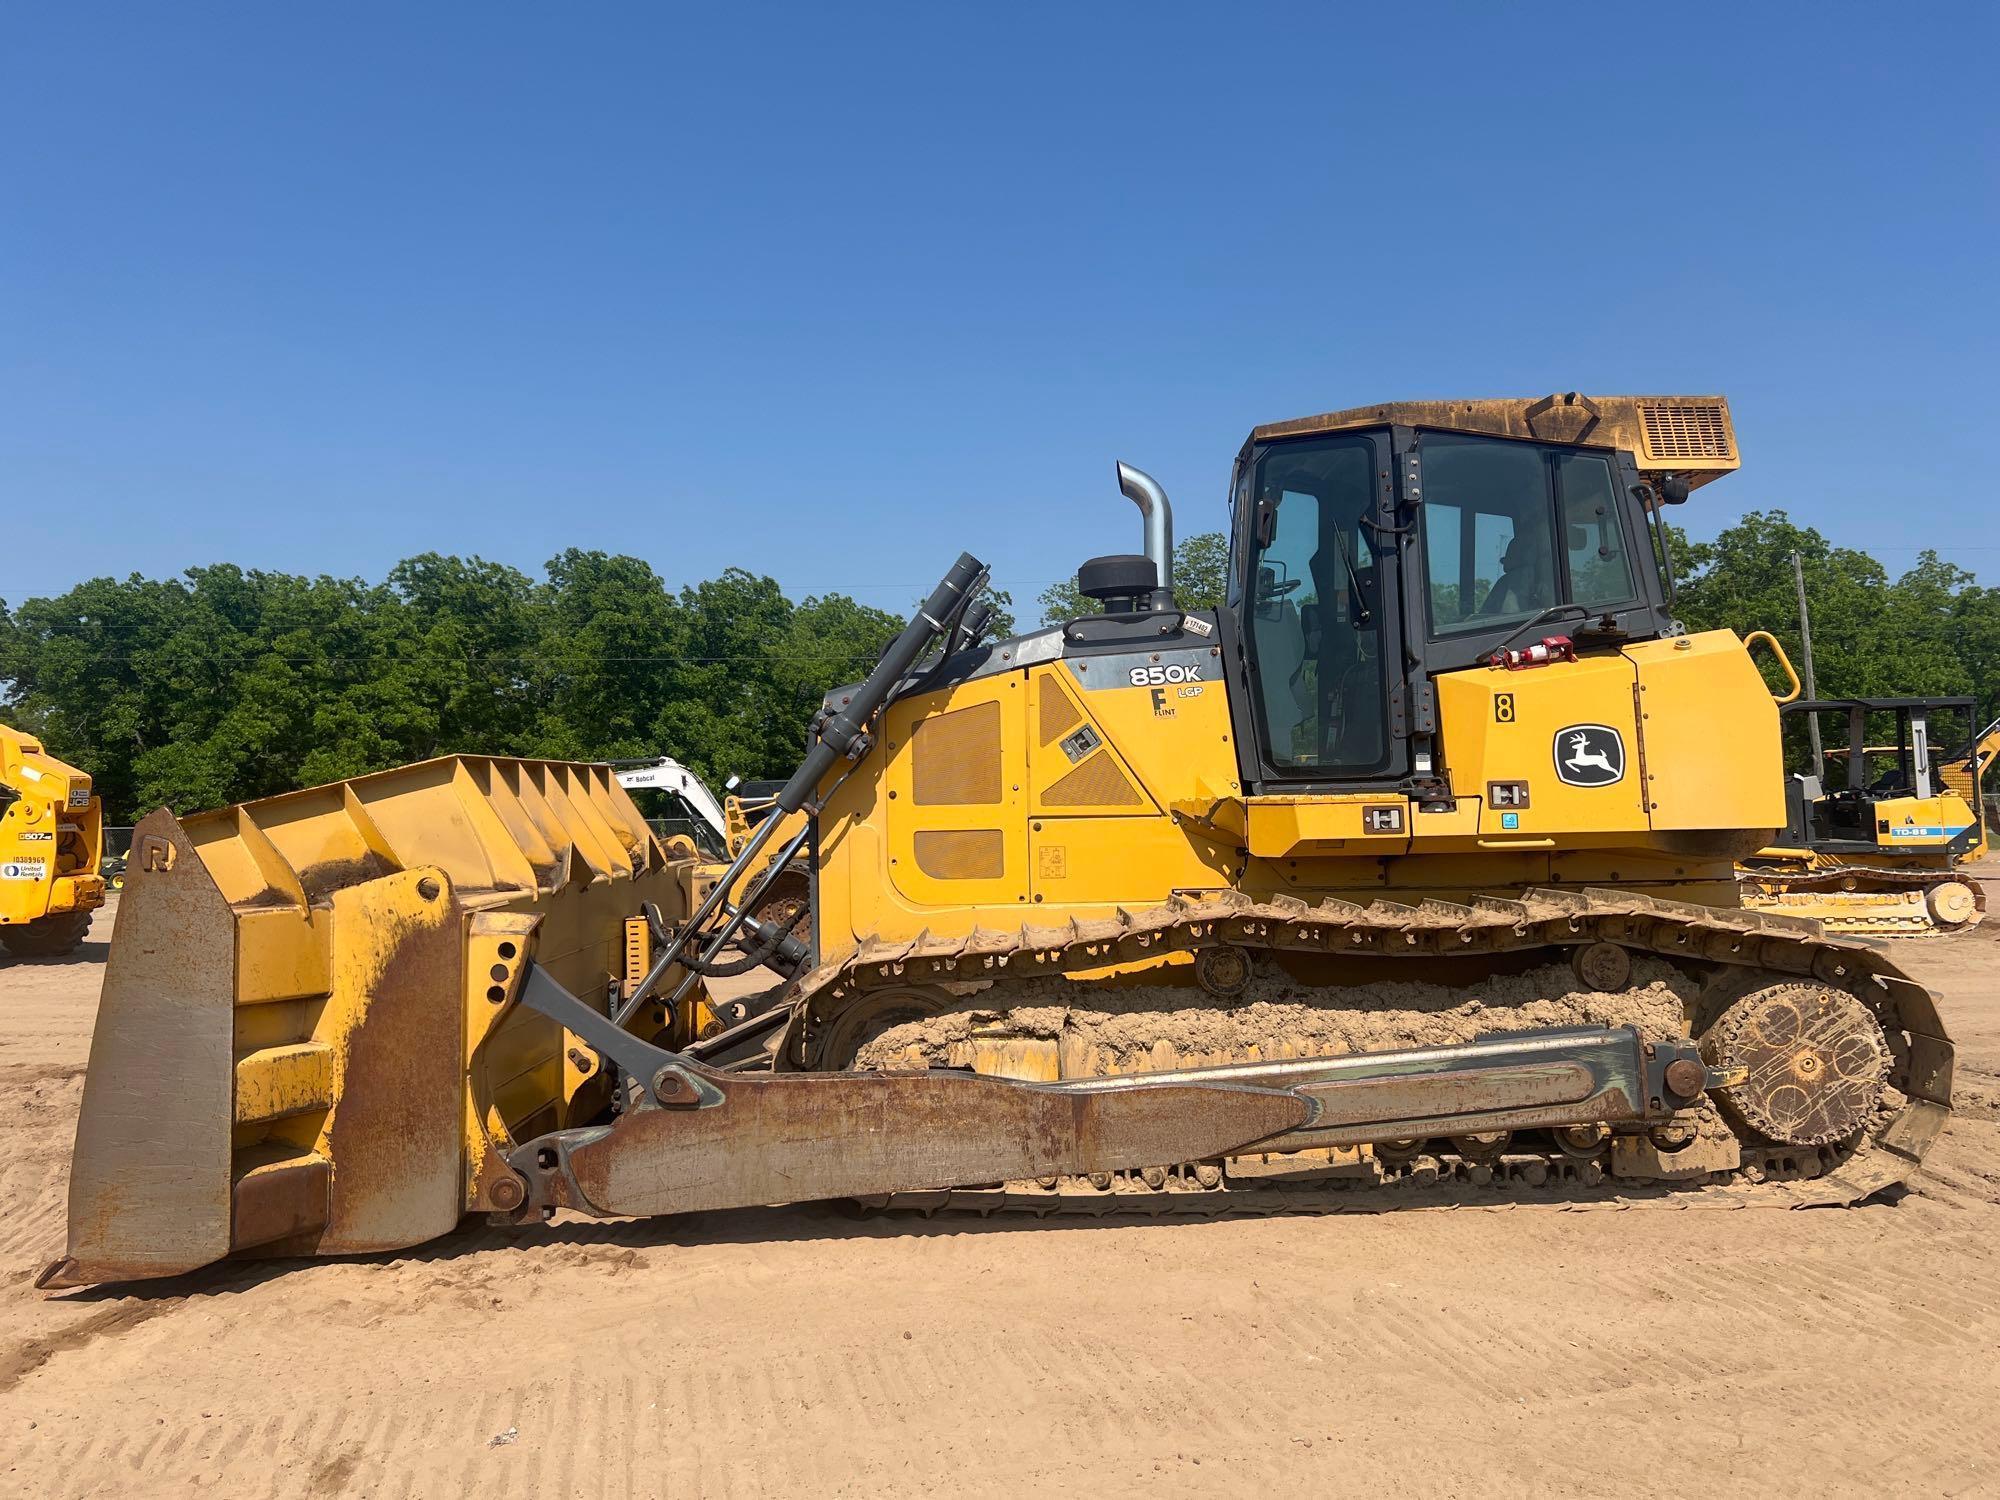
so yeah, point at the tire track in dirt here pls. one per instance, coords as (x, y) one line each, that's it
(737, 1417)
(1441, 1352)
(1832, 1299)
(21, 1360)
(38, 1107)
(703, 1430)
(1964, 1171)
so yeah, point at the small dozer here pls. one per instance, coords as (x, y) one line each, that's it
(1407, 874)
(1882, 855)
(51, 840)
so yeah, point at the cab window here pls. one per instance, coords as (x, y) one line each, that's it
(1316, 609)
(1593, 541)
(1512, 529)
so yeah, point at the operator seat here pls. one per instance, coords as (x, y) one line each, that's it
(1524, 581)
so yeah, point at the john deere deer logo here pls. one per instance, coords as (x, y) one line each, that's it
(1590, 755)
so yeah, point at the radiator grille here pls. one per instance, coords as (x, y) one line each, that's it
(1686, 432)
(1096, 783)
(955, 758)
(1957, 777)
(1059, 715)
(960, 853)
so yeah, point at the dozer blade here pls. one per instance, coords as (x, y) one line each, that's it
(304, 1044)
(207, 1130)
(149, 1182)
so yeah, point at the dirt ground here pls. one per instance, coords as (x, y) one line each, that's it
(1431, 1352)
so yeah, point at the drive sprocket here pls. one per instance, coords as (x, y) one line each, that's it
(1816, 1062)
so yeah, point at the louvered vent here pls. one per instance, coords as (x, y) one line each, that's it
(960, 853)
(1059, 715)
(1096, 783)
(1686, 432)
(955, 758)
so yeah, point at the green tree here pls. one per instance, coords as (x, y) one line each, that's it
(610, 638)
(751, 671)
(1001, 603)
(1931, 632)
(1201, 571)
(225, 683)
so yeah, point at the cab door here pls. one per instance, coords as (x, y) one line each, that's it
(1318, 613)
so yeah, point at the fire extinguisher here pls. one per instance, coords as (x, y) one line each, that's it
(1550, 648)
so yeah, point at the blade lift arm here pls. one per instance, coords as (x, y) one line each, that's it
(702, 1139)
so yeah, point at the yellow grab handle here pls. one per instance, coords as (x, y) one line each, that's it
(1783, 660)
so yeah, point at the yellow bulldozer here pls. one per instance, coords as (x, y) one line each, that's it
(51, 840)
(1883, 854)
(1407, 874)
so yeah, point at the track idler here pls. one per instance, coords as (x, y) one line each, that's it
(702, 1139)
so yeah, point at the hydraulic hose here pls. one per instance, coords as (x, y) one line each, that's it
(839, 734)
(774, 940)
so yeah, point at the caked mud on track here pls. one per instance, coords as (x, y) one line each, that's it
(1850, 1066)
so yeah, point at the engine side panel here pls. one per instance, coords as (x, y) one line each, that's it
(1075, 786)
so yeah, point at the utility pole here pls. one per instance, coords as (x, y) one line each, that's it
(1812, 688)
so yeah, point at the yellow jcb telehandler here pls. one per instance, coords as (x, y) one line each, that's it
(51, 839)
(1410, 871)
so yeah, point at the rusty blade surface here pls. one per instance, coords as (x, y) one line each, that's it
(395, 1017)
(149, 1187)
(793, 1138)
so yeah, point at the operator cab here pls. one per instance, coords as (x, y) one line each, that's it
(1897, 794)
(1373, 549)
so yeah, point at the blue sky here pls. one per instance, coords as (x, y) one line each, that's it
(833, 292)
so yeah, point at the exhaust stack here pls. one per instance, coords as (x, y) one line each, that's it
(1144, 491)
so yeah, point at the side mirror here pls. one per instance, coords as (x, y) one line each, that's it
(1266, 524)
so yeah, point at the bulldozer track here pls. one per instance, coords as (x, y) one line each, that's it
(832, 1007)
(1776, 885)
(1780, 1175)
